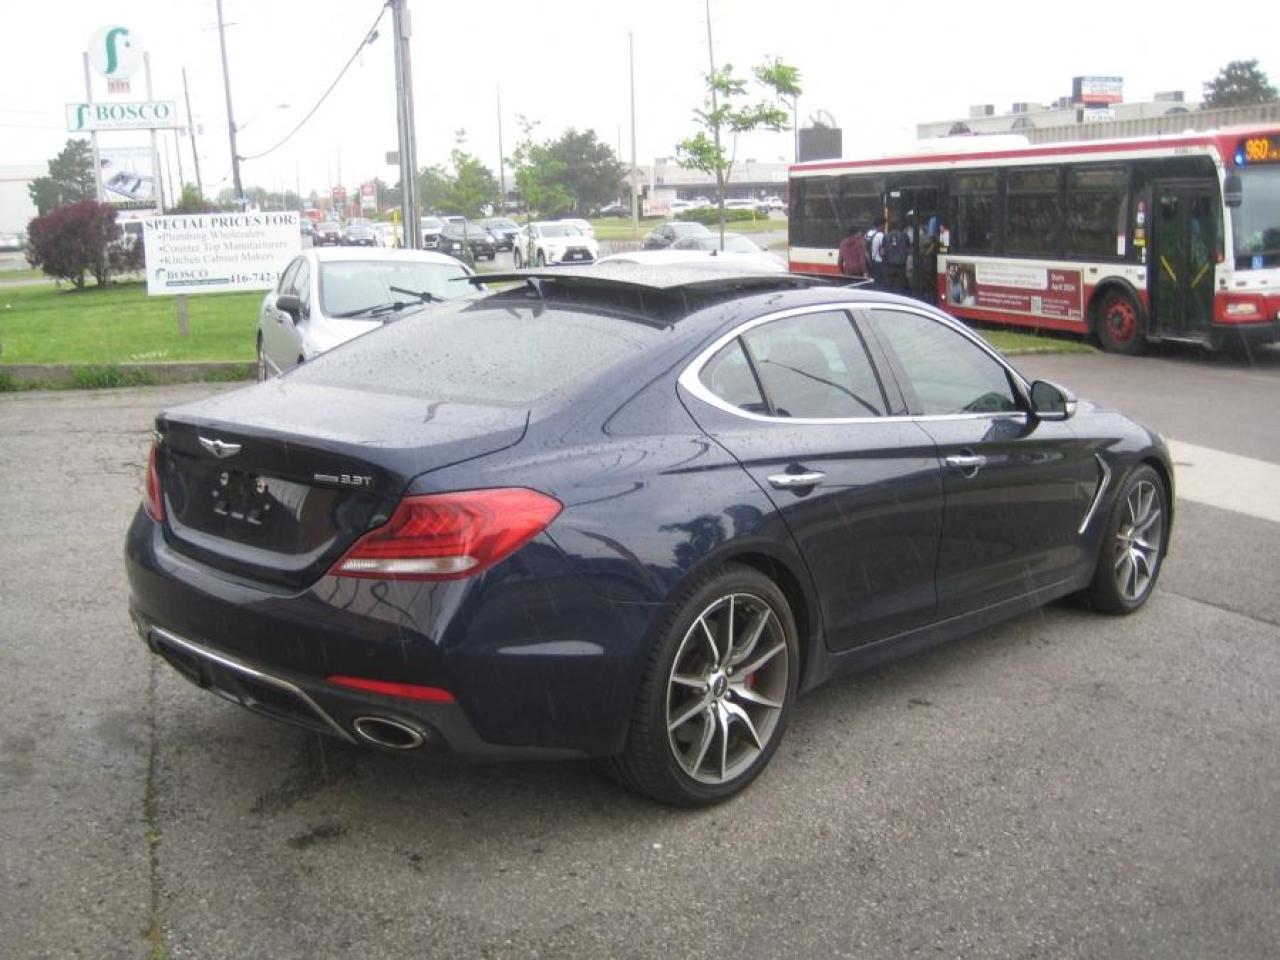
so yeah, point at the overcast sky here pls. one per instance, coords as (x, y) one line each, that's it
(879, 68)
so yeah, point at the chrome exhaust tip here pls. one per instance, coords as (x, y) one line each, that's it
(390, 734)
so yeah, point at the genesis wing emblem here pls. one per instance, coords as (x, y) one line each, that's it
(220, 448)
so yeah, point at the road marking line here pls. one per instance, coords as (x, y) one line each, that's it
(1226, 480)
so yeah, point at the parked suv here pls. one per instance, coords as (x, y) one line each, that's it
(504, 231)
(554, 241)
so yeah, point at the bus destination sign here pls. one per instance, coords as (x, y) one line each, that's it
(1263, 149)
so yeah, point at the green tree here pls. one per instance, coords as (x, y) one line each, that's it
(725, 114)
(70, 178)
(1239, 84)
(471, 186)
(588, 169)
(433, 189)
(192, 201)
(539, 175)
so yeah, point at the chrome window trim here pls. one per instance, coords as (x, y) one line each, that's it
(691, 378)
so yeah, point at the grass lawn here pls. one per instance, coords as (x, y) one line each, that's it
(121, 324)
(26, 273)
(1014, 342)
(615, 228)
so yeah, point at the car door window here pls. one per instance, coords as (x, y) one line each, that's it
(946, 371)
(302, 287)
(286, 279)
(814, 366)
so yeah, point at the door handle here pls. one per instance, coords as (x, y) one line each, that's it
(789, 481)
(967, 463)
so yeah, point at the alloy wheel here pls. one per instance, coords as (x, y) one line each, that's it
(727, 687)
(1138, 541)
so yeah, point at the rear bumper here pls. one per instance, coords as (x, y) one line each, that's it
(1226, 334)
(540, 663)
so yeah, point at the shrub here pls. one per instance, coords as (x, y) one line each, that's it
(710, 215)
(72, 240)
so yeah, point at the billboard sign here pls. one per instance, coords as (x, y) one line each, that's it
(368, 196)
(1015, 288)
(1097, 91)
(115, 52)
(145, 115)
(128, 176)
(213, 252)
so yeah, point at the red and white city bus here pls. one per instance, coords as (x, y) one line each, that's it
(1159, 238)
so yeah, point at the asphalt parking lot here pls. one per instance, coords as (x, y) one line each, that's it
(1063, 785)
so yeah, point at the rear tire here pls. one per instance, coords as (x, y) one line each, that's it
(1119, 324)
(717, 692)
(1134, 543)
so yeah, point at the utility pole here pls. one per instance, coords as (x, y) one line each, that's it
(191, 129)
(502, 173)
(403, 29)
(711, 57)
(635, 171)
(231, 120)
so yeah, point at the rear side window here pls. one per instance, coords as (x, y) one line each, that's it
(814, 366)
(728, 375)
(947, 372)
(501, 350)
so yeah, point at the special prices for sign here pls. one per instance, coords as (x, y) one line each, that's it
(213, 252)
(1016, 288)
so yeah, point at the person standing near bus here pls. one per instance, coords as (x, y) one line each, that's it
(875, 247)
(852, 256)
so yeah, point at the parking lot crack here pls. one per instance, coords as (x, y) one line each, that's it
(151, 821)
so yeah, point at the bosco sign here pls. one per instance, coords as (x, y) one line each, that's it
(147, 115)
(213, 252)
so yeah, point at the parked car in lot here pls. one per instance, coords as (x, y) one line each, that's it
(359, 233)
(703, 249)
(553, 241)
(615, 210)
(327, 297)
(677, 207)
(625, 513)
(386, 233)
(503, 230)
(430, 227)
(306, 227)
(775, 203)
(665, 234)
(327, 234)
(467, 241)
(737, 203)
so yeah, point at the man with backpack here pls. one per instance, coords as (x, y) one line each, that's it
(852, 256)
(896, 251)
(875, 253)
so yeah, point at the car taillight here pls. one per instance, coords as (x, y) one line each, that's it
(154, 501)
(447, 536)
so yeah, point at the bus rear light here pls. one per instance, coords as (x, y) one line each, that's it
(447, 536)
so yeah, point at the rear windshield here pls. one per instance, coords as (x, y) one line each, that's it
(504, 350)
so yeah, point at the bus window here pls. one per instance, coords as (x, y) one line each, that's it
(1097, 211)
(1032, 213)
(973, 217)
(861, 201)
(820, 222)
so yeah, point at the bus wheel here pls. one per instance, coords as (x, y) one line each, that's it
(1119, 323)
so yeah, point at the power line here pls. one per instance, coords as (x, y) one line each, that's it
(369, 37)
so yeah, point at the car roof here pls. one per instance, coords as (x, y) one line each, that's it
(339, 254)
(661, 276)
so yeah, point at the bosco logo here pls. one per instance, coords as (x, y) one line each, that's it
(115, 52)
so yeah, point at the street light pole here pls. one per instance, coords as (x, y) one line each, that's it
(502, 171)
(635, 171)
(404, 117)
(191, 129)
(231, 120)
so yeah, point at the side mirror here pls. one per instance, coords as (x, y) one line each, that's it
(290, 304)
(1233, 190)
(1052, 402)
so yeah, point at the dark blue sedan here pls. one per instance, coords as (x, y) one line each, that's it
(626, 513)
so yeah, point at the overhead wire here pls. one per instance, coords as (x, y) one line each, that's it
(370, 35)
